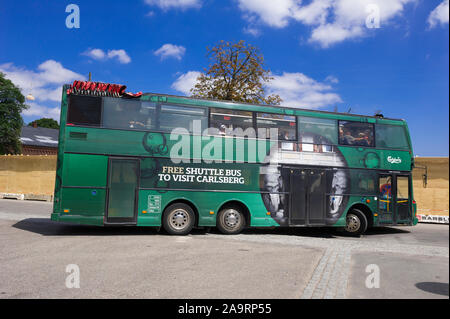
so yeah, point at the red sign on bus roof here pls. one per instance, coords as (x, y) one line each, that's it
(100, 89)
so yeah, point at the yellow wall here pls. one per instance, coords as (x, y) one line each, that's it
(435, 197)
(21, 174)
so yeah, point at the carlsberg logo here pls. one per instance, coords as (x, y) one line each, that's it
(394, 160)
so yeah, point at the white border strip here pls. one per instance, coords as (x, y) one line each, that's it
(438, 219)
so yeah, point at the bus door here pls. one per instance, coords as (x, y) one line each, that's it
(122, 192)
(403, 201)
(385, 199)
(307, 197)
(394, 203)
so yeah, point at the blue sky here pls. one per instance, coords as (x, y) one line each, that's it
(322, 53)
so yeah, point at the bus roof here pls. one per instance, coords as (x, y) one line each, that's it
(168, 98)
(224, 103)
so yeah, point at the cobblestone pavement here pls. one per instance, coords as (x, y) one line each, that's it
(331, 275)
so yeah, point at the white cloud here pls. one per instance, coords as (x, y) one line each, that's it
(252, 31)
(314, 13)
(99, 54)
(439, 15)
(170, 50)
(186, 82)
(54, 72)
(332, 21)
(121, 55)
(296, 89)
(299, 90)
(45, 84)
(332, 79)
(96, 54)
(40, 111)
(328, 34)
(179, 4)
(272, 13)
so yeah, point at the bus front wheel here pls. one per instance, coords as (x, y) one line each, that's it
(356, 222)
(179, 219)
(230, 220)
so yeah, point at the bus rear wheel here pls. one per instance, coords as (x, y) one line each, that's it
(179, 219)
(356, 222)
(231, 220)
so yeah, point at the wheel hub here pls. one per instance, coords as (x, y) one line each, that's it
(231, 218)
(179, 219)
(353, 223)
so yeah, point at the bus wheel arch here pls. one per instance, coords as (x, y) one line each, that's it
(358, 219)
(366, 211)
(233, 207)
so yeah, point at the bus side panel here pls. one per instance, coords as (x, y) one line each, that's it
(84, 189)
(152, 204)
(83, 205)
(82, 170)
(364, 157)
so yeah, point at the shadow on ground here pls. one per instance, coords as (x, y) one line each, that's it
(438, 288)
(385, 231)
(46, 227)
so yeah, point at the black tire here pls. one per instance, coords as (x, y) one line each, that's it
(231, 220)
(356, 222)
(178, 219)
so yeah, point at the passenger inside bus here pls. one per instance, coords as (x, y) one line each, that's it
(363, 138)
(284, 135)
(134, 116)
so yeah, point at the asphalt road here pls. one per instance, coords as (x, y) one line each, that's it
(136, 262)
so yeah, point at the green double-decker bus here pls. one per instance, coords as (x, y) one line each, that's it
(178, 163)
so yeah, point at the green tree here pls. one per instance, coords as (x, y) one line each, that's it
(45, 122)
(236, 73)
(12, 103)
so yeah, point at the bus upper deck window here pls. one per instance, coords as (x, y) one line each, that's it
(356, 133)
(84, 110)
(179, 116)
(285, 124)
(321, 131)
(128, 114)
(391, 136)
(226, 121)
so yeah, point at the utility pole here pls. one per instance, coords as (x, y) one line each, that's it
(90, 76)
